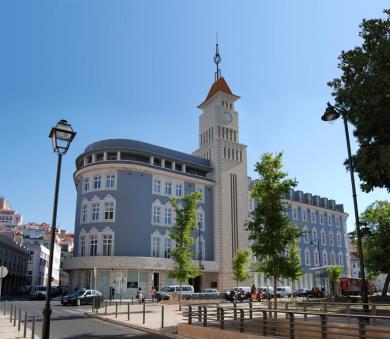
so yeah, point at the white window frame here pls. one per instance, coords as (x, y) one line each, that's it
(341, 259)
(157, 185)
(338, 239)
(330, 220)
(313, 216)
(322, 218)
(167, 249)
(323, 237)
(86, 184)
(304, 214)
(316, 257)
(95, 211)
(82, 243)
(84, 212)
(314, 235)
(168, 188)
(155, 250)
(306, 238)
(156, 213)
(331, 238)
(295, 212)
(307, 257)
(324, 257)
(110, 181)
(179, 190)
(97, 178)
(168, 215)
(96, 245)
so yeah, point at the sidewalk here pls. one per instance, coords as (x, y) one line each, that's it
(8, 331)
(155, 322)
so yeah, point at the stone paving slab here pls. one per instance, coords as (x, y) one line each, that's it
(8, 331)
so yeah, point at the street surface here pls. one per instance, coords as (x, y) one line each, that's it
(70, 321)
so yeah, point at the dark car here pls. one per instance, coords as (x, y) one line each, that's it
(302, 292)
(82, 297)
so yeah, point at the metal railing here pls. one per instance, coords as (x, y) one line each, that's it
(287, 323)
(20, 317)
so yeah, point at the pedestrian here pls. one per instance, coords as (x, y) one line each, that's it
(153, 293)
(140, 295)
(253, 292)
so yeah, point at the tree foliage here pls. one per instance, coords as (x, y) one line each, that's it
(334, 277)
(272, 235)
(376, 246)
(363, 92)
(240, 265)
(185, 211)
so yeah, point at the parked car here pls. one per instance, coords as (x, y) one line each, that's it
(302, 292)
(38, 292)
(264, 293)
(284, 291)
(22, 290)
(82, 297)
(165, 292)
(211, 292)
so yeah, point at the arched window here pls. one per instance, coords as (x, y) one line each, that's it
(331, 238)
(307, 257)
(316, 258)
(156, 212)
(314, 235)
(305, 235)
(155, 244)
(324, 258)
(323, 237)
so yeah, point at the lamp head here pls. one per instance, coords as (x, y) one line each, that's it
(61, 136)
(331, 113)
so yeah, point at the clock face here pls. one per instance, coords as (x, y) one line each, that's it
(227, 116)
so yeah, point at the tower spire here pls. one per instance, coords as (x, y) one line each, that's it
(217, 60)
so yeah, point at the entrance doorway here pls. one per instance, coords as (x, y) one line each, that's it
(195, 282)
(156, 280)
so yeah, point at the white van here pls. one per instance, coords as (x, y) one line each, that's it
(165, 292)
(284, 291)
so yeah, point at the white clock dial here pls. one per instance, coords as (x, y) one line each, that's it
(227, 116)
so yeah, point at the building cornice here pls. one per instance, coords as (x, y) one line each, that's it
(302, 204)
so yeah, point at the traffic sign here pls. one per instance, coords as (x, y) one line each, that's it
(3, 272)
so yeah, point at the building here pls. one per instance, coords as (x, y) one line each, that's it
(14, 257)
(66, 243)
(324, 239)
(7, 215)
(38, 243)
(354, 260)
(123, 213)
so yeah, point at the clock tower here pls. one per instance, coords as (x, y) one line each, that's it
(219, 142)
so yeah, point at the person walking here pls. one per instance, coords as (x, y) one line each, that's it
(253, 292)
(140, 295)
(153, 293)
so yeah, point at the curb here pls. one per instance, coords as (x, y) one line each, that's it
(136, 327)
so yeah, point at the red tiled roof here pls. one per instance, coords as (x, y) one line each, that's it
(219, 85)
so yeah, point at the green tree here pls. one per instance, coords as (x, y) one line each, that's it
(334, 277)
(240, 266)
(273, 237)
(376, 245)
(362, 91)
(185, 211)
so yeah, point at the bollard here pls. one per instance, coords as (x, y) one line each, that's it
(241, 320)
(222, 318)
(5, 306)
(305, 310)
(235, 311)
(162, 316)
(199, 313)
(15, 316)
(250, 310)
(204, 316)
(33, 327)
(25, 325)
(20, 316)
(105, 308)
(93, 304)
(325, 308)
(269, 307)
(11, 313)
(292, 325)
(362, 328)
(190, 314)
(128, 311)
(116, 309)
(143, 313)
(373, 312)
(348, 312)
(264, 323)
(324, 326)
(286, 308)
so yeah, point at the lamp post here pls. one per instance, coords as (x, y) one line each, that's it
(201, 266)
(61, 135)
(331, 114)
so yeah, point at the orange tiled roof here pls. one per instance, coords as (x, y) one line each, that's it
(219, 85)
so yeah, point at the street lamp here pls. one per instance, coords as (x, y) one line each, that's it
(201, 266)
(331, 114)
(61, 135)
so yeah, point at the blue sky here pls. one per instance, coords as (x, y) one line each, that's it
(138, 69)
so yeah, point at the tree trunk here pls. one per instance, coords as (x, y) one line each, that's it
(180, 297)
(386, 285)
(236, 296)
(275, 298)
